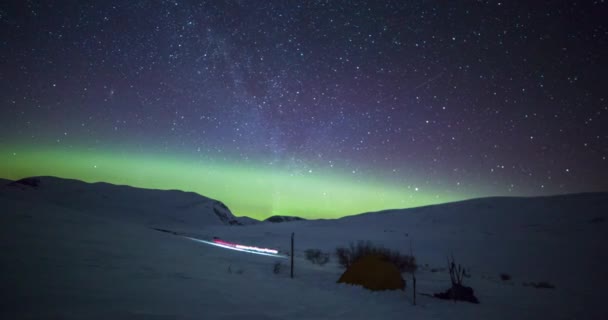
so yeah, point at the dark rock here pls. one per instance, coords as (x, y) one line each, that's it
(458, 292)
(224, 214)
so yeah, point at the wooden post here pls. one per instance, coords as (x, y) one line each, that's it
(292, 255)
(413, 273)
(414, 281)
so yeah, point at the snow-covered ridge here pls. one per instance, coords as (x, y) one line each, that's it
(155, 208)
(497, 213)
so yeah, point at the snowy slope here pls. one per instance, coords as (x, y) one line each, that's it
(64, 264)
(71, 261)
(491, 232)
(562, 240)
(4, 181)
(158, 208)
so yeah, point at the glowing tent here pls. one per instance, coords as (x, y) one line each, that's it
(374, 273)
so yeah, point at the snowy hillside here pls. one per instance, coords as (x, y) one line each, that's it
(72, 257)
(158, 208)
(490, 232)
(4, 181)
(562, 240)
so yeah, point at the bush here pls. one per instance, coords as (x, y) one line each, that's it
(347, 256)
(505, 277)
(316, 256)
(277, 267)
(344, 257)
(458, 291)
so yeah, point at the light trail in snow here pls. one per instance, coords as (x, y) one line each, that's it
(241, 248)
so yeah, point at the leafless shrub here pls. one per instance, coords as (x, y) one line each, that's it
(316, 256)
(347, 256)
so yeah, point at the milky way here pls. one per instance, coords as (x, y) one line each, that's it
(314, 108)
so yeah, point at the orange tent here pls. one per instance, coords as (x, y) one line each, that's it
(374, 273)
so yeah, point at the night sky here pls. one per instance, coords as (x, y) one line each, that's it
(309, 108)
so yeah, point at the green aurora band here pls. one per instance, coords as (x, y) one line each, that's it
(257, 191)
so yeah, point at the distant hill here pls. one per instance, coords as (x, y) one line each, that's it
(154, 208)
(4, 181)
(279, 219)
(496, 212)
(247, 220)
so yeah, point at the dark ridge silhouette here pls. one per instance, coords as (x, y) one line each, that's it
(279, 219)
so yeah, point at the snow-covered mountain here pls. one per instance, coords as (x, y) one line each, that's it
(73, 250)
(155, 208)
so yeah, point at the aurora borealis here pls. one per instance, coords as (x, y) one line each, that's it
(246, 188)
(312, 108)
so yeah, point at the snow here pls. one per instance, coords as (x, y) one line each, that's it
(69, 257)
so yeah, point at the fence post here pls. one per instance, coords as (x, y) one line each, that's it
(413, 273)
(414, 281)
(292, 234)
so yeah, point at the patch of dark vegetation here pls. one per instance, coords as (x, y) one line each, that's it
(597, 220)
(458, 291)
(348, 255)
(539, 285)
(317, 256)
(235, 270)
(277, 267)
(505, 277)
(167, 231)
(278, 219)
